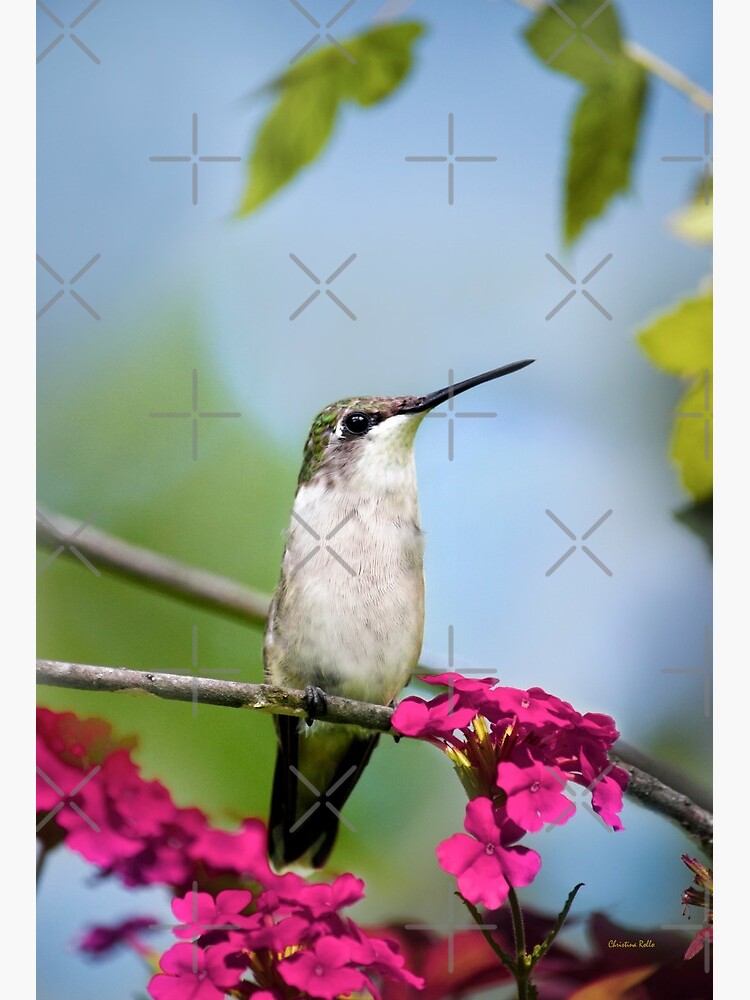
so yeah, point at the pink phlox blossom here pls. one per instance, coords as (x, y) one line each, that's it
(199, 912)
(607, 783)
(324, 970)
(184, 976)
(535, 793)
(102, 938)
(439, 717)
(483, 860)
(705, 934)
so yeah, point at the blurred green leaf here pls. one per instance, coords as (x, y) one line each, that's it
(695, 222)
(699, 518)
(310, 95)
(574, 39)
(582, 39)
(691, 438)
(681, 343)
(103, 457)
(603, 139)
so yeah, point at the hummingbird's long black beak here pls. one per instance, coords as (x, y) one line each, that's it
(419, 404)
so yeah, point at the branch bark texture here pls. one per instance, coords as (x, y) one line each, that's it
(648, 790)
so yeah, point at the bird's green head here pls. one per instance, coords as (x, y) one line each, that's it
(378, 430)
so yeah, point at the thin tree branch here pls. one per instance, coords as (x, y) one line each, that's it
(652, 63)
(170, 576)
(655, 795)
(648, 790)
(228, 694)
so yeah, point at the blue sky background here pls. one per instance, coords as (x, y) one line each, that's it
(434, 287)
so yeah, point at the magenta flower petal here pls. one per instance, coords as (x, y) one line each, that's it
(483, 864)
(184, 976)
(520, 865)
(480, 821)
(439, 717)
(535, 794)
(323, 970)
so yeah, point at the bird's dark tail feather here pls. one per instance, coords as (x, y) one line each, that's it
(303, 821)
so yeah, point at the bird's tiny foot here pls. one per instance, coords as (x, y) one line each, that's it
(315, 703)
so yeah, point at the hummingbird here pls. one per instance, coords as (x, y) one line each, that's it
(347, 616)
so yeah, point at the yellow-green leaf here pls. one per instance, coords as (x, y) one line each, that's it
(310, 95)
(695, 222)
(681, 343)
(289, 139)
(691, 438)
(603, 140)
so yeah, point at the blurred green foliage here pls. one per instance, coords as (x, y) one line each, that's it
(135, 477)
(104, 458)
(681, 342)
(582, 39)
(310, 95)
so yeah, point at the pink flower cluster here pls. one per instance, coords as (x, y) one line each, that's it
(285, 938)
(515, 751)
(106, 811)
(289, 940)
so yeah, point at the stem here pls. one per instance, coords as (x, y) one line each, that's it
(504, 957)
(523, 967)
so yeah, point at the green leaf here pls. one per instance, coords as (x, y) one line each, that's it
(582, 39)
(541, 950)
(691, 438)
(695, 222)
(603, 140)
(699, 518)
(574, 39)
(681, 343)
(310, 96)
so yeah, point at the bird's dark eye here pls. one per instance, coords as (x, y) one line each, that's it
(357, 423)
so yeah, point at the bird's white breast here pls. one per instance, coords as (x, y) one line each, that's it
(351, 614)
